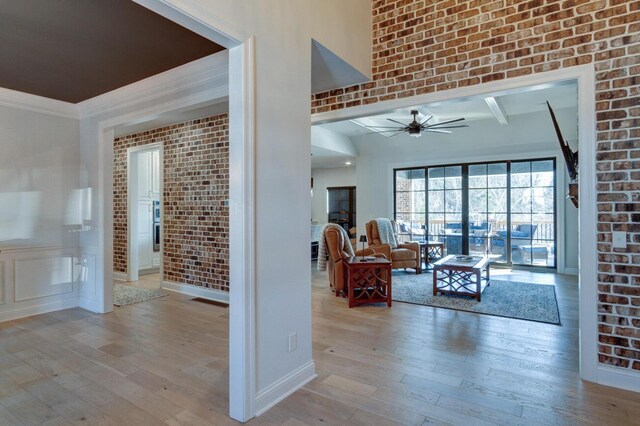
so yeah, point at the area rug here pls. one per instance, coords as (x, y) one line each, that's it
(532, 302)
(127, 295)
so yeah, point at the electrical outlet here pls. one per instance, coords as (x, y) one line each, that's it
(293, 342)
(619, 239)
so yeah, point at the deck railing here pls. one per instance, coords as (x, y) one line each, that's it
(544, 233)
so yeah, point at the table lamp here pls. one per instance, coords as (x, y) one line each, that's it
(363, 239)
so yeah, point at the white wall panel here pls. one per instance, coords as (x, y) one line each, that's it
(49, 276)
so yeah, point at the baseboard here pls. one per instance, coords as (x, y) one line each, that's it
(119, 276)
(28, 311)
(284, 387)
(621, 378)
(571, 271)
(192, 290)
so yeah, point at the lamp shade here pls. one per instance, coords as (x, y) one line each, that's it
(363, 238)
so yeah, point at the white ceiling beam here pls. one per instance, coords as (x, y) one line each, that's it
(497, 110)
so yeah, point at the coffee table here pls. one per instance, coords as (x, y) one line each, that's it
(461, 277)
(368, 281)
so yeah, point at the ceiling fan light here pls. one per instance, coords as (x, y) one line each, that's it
(415, 134)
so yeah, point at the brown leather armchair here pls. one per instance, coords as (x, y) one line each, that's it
(335, 265)
(407, 255)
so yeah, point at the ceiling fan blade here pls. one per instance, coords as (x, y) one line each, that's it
(449, 127)
(447, 122)
(438, 131)
(385, 131)
(393, 136)
(397, 122)
(384, 127)
(426, 120)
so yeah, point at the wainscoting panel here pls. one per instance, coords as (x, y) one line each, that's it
(35, 280)
(49, 276)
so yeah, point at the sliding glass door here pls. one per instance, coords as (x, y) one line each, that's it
(410, 204)
(505, 209)
(533, 232)
(445, 207)
(488, 213)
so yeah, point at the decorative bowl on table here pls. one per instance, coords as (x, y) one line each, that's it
(463, 258)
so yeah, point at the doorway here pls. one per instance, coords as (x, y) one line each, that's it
(582, 226)
(144, 213)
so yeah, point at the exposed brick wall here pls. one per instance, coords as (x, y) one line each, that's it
(196, 185)
(424, 46)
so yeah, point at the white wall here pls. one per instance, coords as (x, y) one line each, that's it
(327, 178)
(527, 136)
(42, 208)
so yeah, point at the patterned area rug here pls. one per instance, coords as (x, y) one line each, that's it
(127, 295)
(532, 302)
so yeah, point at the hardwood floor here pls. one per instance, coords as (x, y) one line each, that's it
(166, 362)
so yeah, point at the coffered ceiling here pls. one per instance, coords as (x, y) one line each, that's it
(73, 50)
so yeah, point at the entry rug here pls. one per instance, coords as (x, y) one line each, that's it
(127, 295)
(510, 299)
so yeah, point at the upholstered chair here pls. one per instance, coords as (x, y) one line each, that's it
(336, 269)
(406, 255)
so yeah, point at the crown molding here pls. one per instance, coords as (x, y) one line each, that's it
(207, 72)
(38, 104)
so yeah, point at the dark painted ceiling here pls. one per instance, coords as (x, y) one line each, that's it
(73, 50)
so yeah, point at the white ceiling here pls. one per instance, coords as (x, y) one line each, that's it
(524, 106)
(522, 102)
(322, 158)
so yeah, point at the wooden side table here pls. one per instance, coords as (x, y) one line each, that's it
(430, 252)
(368, 281)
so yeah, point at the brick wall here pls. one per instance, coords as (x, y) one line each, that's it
(424, 46)
(196, 185)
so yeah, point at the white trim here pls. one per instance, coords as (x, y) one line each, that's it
(242, 262)
(43, 308)
(133, 268)
(197, 19)
(570, 271)
(587, 215)
(19, 249)
(585, 75)
(619, 378)
(210, 71)
(285, 387)
(195, 291)
(35, 103)
(119, 276)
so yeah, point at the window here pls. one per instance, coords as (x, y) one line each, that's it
(502, 209)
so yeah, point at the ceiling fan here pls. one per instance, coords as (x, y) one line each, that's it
(415, 128)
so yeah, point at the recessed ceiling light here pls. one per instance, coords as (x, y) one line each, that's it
(347, 163)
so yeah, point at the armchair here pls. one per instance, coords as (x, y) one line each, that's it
(335, 241)
(406, 255)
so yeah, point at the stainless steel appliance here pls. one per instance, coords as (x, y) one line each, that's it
(156, 226)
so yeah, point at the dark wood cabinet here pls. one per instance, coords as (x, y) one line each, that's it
(341, 203)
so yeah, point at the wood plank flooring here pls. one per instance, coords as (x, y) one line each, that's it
(166, 362)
